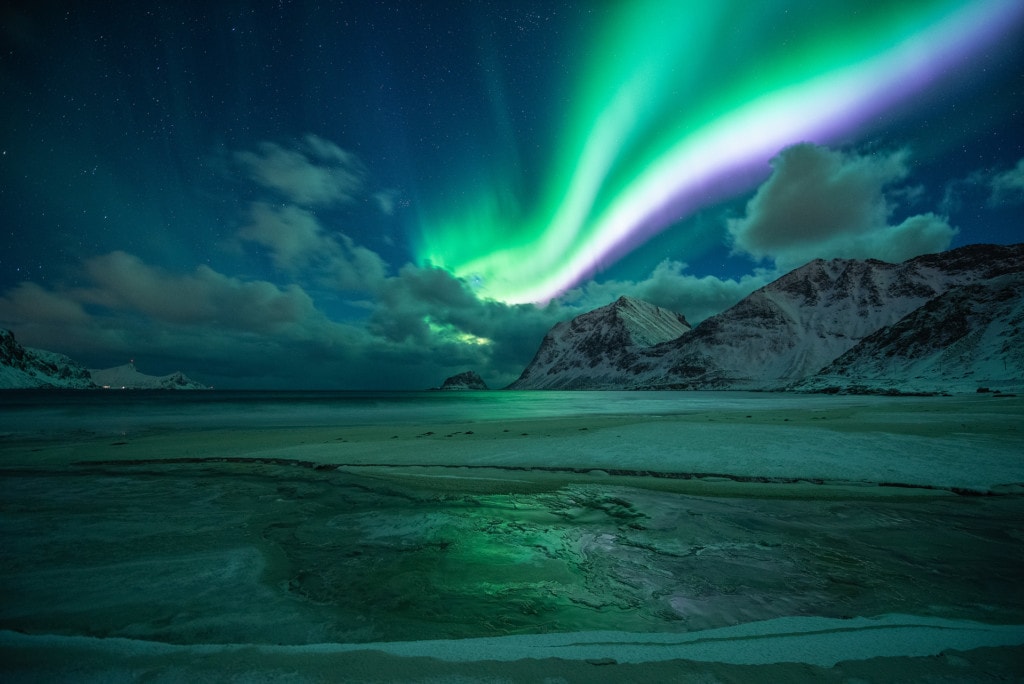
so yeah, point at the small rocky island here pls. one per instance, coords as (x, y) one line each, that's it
(470, 380)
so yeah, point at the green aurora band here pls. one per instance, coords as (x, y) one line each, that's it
(685, 103)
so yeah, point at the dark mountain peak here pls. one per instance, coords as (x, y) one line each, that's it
(593, 348)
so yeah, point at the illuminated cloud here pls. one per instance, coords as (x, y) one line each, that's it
(821, 203)
(815, 194)
(316, 172)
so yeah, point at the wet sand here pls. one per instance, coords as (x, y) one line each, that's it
(945, 443)
(329, 554)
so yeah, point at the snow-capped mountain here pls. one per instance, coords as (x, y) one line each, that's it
(128, 377)
(26, 368)
(778, 335)
(969, 337)
(596, 350)
(470, 380)
(794, 326)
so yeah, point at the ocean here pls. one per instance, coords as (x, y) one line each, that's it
(52, 412)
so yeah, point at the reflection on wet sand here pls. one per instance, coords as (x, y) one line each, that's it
(276, 553)
(845, 540)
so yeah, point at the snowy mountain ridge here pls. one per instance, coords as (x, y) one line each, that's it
(778, 335)
(595, 350)
(26, 368)
(128, 377)
(972, 335)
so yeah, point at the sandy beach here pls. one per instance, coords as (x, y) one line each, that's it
(921, 442)
(794, 539)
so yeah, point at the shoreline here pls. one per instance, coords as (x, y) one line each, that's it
(883, 648)
(935, 445)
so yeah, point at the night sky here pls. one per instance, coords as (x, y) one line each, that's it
(357, 195)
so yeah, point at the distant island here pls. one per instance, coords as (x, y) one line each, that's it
(470, 380)
(128, 377)
(27, 368)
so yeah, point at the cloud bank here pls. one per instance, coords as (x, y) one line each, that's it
(823, 203)
(332, 313)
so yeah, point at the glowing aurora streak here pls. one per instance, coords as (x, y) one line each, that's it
(663, 141)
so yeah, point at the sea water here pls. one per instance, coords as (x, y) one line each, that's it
(53, 412)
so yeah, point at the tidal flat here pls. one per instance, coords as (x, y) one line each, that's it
(807, 538)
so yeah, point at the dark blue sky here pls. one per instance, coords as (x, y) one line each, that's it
(250, 192)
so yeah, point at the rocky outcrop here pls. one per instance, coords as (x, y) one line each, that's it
(469, 380)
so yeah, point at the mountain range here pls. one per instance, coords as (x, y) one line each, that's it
(947, 322)
(128, 377)
(27, 368)
(937, 322)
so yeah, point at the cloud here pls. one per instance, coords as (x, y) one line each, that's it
(1007, 187)
(315, 173)
(219, 329)
(291, 234)
(386, 201)
(422, 325)
(824, 203)
(430, 313)
(670, 287)
(30, 302)
(122, 282)
(298, 243)
(985, 187)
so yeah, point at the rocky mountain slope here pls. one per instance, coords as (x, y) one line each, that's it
(796, 325)
(128, 377)
(26, 368)
(775, 337)
(969, 337)
(596, 350)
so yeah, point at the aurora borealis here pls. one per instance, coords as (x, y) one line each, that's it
(378, 195)
(661, 133)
